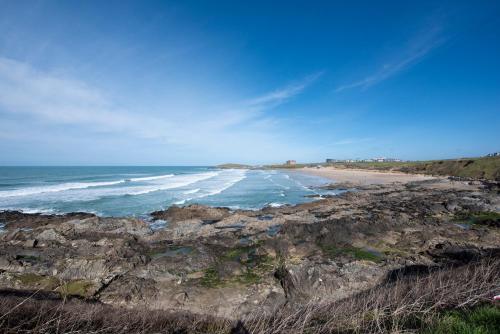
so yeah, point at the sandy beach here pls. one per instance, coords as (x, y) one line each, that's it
(364, 177)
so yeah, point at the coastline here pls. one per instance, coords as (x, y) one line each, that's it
(364, 177)
(138, 191)
(231, 264)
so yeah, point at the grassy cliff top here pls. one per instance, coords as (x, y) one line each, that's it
(233, 166)
(474, 168)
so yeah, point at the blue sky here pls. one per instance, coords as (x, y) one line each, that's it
(206, 82)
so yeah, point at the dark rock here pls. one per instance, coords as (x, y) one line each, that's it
(194, 211)
(251, 260)
(239, 328)
(17, 219)
(341, 186)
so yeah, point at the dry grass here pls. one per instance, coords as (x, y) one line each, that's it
(403, 304)
(39, 314)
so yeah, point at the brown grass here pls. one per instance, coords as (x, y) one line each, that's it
(401, 304)
(32, 313)
(407, 303)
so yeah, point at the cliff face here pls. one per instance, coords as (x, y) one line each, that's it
(230, 263)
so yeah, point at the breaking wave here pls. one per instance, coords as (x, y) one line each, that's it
(124, 191)
(150, 178)
(174, 182)
(56, 188)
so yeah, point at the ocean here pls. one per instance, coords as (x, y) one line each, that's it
(137, 191)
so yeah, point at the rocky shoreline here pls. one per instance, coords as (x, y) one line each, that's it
(230, 263)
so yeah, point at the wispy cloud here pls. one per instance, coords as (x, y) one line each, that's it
(417, 48)
(44, 100)
(253, 108)
(282, 95)
(60, 100)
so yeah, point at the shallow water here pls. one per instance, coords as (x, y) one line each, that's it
(137, 191)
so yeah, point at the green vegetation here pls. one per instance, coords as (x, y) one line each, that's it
(445, 301)
(38, 281)
(481, 320)
(30, 278)
(285, 166)
(72, 288)
(237, 252)
(211, 278)
(233, 166)
(488, 218)
(355, 252)
(29, 258)
(76, 288)
(249, 277)
(255, 267)
(475, 168)
(487, 168)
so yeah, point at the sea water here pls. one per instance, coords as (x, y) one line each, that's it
(137, 191)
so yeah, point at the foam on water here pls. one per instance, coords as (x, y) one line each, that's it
(278, 184)
(236, 176)
(191, 191)
(214, 186)
(173, 182)
(137, 191)
(37, 210)
(150, 178)
(56, 188)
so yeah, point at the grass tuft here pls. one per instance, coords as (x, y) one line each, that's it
(488, 218)
(480, 320)
(81, 288)
(211, 279)
(31, 280)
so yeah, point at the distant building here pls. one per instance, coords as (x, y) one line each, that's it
(290, 162)
(387, 160)
(495, 154)
(381, 159)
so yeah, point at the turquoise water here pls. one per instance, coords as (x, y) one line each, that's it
(137, 191)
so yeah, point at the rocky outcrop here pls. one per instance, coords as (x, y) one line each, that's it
(229, 263)
(195, 211)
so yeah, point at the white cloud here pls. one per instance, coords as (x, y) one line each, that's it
(44, 99)
(418, 47)
(282, 95)
(59, 100)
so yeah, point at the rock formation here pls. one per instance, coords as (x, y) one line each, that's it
(226, 262)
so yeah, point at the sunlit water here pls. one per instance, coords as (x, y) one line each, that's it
(137, 191)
